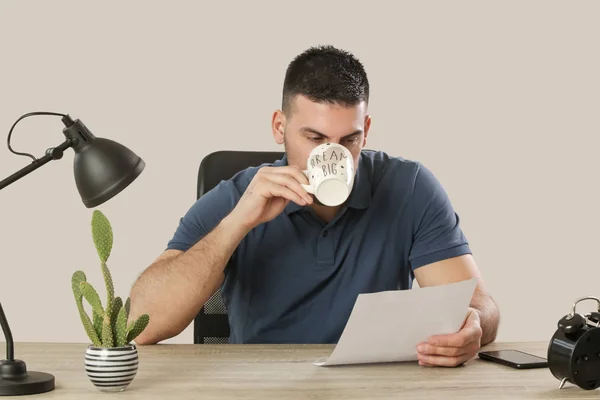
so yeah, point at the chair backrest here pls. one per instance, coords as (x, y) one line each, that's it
(211, 325)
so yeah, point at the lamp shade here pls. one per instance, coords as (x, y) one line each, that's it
(102, 167)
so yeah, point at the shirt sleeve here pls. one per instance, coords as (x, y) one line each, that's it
(204, 215)
(436, 230)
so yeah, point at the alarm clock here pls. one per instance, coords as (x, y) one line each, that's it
(574, 350)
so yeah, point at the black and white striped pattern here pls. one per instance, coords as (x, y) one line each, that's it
(111, 369)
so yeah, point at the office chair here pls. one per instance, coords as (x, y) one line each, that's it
(211, 325)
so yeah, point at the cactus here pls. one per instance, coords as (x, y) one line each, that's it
(110, 289)
(76, 280)
(97, 323)
(103, 240)
(89, 293)
(102, 235)
(116, 307)
(137, 327)
(127, 307)
(108, 326)
(121, 327)
(107, 333)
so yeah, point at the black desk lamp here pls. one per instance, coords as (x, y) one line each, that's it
(103, 168)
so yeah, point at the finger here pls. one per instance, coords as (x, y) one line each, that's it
(290, 183)
(270, 189)
(459, 339)
(427, 349)
(290, 170)
(442, 361)
(276, 190)
(424, 364)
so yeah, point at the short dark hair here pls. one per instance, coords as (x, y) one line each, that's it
(326, 74)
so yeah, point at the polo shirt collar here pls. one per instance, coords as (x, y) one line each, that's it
(360, 197)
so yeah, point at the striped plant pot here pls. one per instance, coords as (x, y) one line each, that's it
(111, 369)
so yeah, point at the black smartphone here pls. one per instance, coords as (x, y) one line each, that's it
(514, 358)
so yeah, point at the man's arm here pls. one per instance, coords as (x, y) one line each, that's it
(481, 325)
(440, 254)
(458, 269)
(173, 289)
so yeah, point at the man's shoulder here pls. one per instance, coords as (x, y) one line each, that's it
(381, 159)
(382, 166)
(240, 180)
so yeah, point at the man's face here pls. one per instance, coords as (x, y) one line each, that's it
(310, 124)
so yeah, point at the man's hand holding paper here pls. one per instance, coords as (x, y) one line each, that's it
(375, 332)
(454, 349)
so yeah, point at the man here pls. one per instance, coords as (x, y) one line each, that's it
(291, 269)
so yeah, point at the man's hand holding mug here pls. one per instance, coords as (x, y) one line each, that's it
(329, 176)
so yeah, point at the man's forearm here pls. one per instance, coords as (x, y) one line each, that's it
(172, 291)
(489, 316)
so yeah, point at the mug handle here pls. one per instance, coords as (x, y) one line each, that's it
(308, 188)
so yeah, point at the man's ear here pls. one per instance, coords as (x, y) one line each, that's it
(278, 126)
(366, 129)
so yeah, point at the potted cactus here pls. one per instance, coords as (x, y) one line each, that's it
(111, 360)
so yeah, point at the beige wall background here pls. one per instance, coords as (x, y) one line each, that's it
(500, 99)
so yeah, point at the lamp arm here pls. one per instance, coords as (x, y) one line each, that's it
(54, 153)
(10, 346)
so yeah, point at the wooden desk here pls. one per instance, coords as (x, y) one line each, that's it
(286, 372)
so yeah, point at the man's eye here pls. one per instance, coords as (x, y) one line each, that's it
(315, 139)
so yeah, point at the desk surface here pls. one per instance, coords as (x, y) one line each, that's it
(286, 372)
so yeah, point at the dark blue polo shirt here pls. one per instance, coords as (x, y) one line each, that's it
(295, 279)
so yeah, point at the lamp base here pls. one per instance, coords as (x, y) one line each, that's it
(15, 380)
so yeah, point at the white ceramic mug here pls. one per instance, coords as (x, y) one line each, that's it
(330, 173)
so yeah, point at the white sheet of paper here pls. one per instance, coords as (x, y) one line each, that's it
(388, 326)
